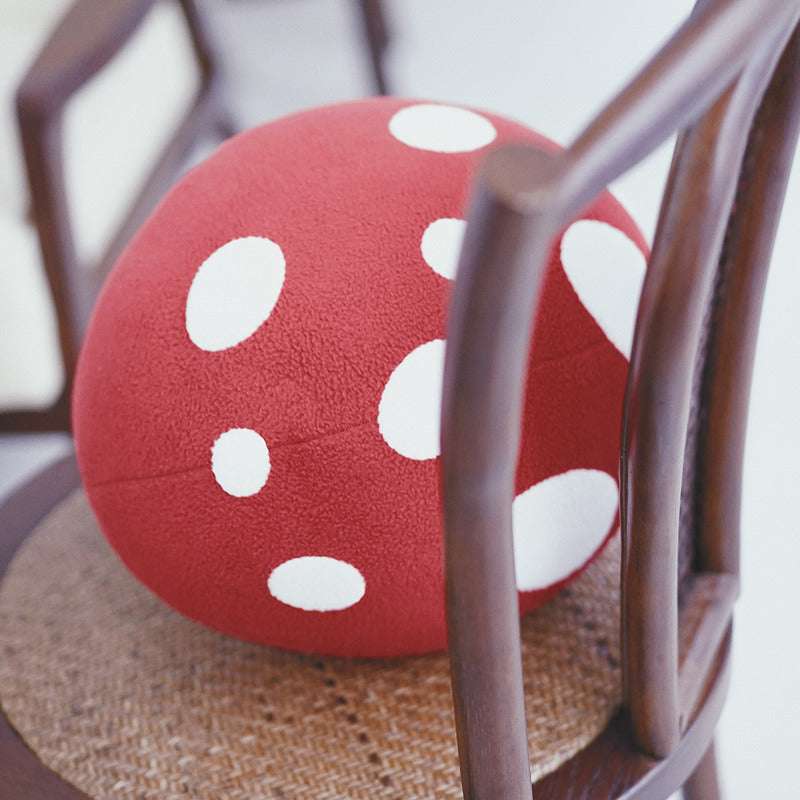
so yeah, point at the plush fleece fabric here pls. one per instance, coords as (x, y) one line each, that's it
(347, 202)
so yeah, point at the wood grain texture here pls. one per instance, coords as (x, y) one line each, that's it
(708, 82)
(705, 621)
(86, 38)
(612, 766)
(739, 293)
(703, 784)
(699, 195)
(490, 316)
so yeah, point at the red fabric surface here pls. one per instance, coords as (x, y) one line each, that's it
(348, 204)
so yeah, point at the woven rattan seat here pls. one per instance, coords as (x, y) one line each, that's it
(150, 704)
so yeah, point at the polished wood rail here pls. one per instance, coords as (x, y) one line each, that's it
(728, 82)
(87, 37)
(707, 83)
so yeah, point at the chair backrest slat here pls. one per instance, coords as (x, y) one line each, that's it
(680, 275)
(721, 60)
(724, 385)
(87, 37)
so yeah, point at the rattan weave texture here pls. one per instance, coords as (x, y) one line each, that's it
(125, 698)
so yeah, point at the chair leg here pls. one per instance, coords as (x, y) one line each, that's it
(377, 34)
(703, 783)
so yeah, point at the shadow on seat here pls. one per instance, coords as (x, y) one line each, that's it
(728, 81)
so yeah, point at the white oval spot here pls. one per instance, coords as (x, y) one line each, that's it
(317, 583)
(606, 269)
(442, 129)
(233, 292)
(240, 462)
(408, 414)
(559, 523)
(441, 245)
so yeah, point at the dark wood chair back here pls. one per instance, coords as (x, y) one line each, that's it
(90, 34)
(729, 83)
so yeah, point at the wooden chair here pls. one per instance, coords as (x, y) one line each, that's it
(720, 83)
(728, 80)
(85, 40)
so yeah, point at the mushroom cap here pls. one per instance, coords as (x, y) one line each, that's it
(256, 401)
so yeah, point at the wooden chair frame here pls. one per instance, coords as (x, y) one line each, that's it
(729, 80)
(376, 30)
(90, 34)
(718, 82)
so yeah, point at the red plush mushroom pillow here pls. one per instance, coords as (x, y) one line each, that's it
(256, 404)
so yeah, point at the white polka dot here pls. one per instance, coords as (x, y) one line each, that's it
(606, 270)
(441, 245)
(233, 292)
(240, 462)
(408, 414)
(317, 583)
(559, 524)
(442, 129)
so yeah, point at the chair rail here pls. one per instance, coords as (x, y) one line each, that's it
(721, 58)
(85, 39)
